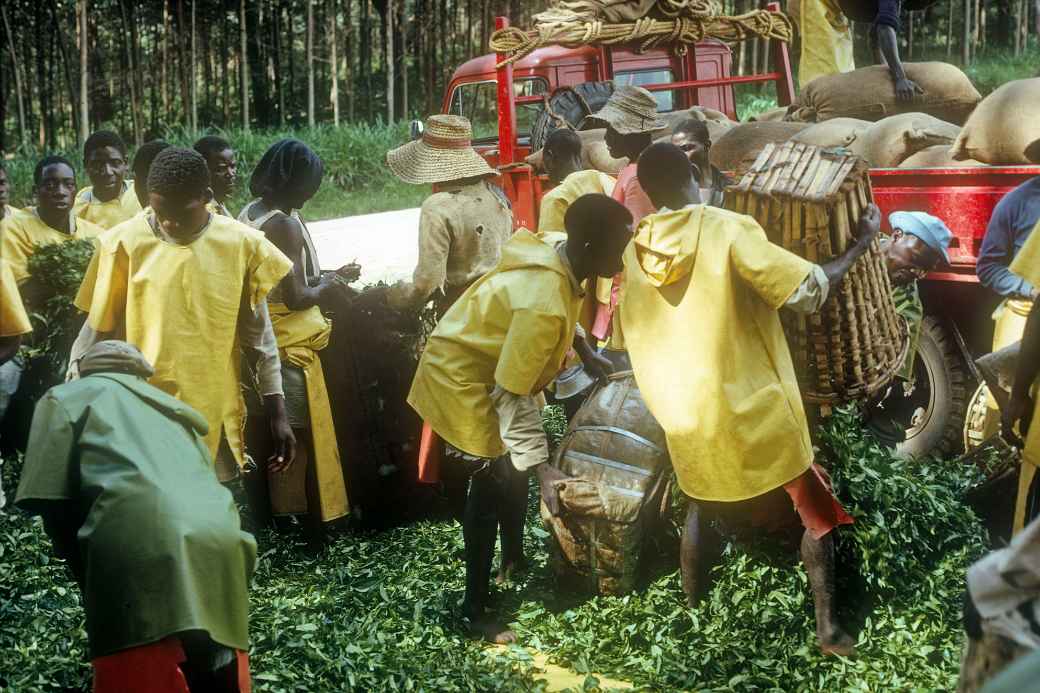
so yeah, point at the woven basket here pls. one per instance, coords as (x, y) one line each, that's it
(809, 201)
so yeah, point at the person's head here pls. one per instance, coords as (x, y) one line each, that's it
(630, 117)
(668, 177)
(104, 155)
(598, 229)
(54, 185)
(220, 158)
(693, 138)
(919, 244)
(115, 356)
(143, 159)
(178, 191)
(5, 189)
(288, 175)
(561, 155)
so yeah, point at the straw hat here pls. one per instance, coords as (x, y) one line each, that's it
(629, 110)
(442, 154)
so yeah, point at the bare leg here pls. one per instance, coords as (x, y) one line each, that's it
(818, 558)
(511, 520)
(479, 530)
(698, 553)
(315, 528)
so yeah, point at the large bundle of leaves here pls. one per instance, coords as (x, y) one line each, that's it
(56, 272)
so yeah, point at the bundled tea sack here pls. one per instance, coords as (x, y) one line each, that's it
(869, 94)
(1003, 126)
(889, 142)
(839, 132)
(737, 149)
(938, 156)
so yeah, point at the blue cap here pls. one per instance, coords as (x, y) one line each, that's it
(935, 234)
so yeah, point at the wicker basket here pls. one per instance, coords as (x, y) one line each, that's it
(809, 201)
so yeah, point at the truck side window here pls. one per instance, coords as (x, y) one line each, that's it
(478, 101)
(665, 99)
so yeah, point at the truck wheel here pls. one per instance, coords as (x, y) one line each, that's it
(569, 106)
(931, 417)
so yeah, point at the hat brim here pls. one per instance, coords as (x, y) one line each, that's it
(420, 164)
(911, 225)
(624, 123)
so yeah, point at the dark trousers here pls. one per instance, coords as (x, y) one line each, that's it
(497, 497)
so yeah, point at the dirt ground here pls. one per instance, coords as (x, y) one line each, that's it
(385, 244)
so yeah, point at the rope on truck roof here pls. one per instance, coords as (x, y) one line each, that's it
(681, 22)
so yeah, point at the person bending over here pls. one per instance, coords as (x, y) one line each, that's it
(489, 357)
(110, 198)
(703, 289)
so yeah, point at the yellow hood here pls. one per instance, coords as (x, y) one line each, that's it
(666, 244)
(525, 249)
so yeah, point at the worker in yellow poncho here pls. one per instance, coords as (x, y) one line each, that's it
(223, 170)
(142, 165)
(1021, 410)
(561, 157)
(6, 210)
(287, 176)
(110, 199)
(489, 357)
(50, 221)
(699, 309)
(189, 289)
(14, 324)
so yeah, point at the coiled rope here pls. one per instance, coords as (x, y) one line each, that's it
(562, 27)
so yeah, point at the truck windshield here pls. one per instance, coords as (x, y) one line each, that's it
(478, 101)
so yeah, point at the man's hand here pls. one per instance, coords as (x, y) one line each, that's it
(906, 89)
(596, 365)
(351, 272)
(869, 226)
(281, 434)
(1019, 411)
(547, 478)
(334, 288)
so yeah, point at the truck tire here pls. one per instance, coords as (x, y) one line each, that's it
(569, 105)
(932, 417)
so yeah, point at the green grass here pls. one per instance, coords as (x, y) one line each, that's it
(357, 180)
(378, 611)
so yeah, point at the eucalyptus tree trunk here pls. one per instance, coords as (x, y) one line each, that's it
(310, 63)
(18, 86)
(84, 77)
(244, 62)
(334, 62)
(389, 61)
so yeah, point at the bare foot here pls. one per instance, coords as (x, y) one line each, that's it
(490, 631)
(508, 570)
(838, 643)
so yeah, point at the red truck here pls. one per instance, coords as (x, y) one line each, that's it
(503, 102)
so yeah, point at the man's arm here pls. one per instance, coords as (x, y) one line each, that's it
(287, 235)
(1020, 406)
(886, 28)
(431, 270)
(996, 254)
(257, 341)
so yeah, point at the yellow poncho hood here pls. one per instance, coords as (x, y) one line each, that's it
(665, 247)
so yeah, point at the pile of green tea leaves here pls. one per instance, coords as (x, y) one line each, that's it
(378, 611)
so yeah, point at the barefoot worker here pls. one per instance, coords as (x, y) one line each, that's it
(462, 226)
(50, 221)
(223, 170)
(494, 350)
(702, 291)
(189, 288)
(110, 199)
(287, 176)
(120, 474)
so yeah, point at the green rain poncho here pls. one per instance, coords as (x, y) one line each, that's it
(160, 543)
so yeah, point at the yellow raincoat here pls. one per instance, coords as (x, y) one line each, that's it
(1026, 265)
(512, 328)
(827, 46)
(556, 202)
(179, 304)
(13, 319)
(24, 230)
(106, 214)
(699, 309)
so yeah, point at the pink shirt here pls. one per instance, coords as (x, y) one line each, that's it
(630, 193)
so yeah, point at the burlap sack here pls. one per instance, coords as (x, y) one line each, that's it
(838, 132)
(701, 113)
(771, 116)
(869, 94)
(1003, 126)
(594, 154)
(938, 156)
(737, 150)
(891, 141)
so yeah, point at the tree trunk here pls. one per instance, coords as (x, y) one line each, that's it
(84, 78)
(333, 64)
(276, 55)
(348, 56)
(949, 32)
(389, 25)
(966, 45)
(69, 81)
(910, 37)
(135, 104)
(290, 43)
(225, 52)
(192, 65)
(366, 53)
(403, 33)
(244, 63)
(310, 63)
(164, 84)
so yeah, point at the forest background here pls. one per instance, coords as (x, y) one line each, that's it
(340, 74)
